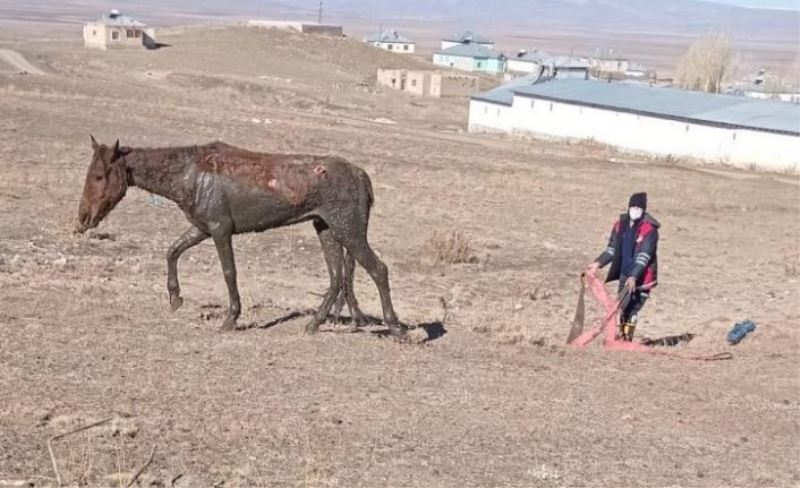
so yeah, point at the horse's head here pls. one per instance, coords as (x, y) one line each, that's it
(106, 184)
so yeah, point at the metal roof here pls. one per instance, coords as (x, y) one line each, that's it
(119, 20)
(389, 37)
(469, 36)
(504, 94)
(703, 108)
(471, 51)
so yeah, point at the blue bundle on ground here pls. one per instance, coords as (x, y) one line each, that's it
(740, 330)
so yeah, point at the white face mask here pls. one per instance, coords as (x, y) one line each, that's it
(635, 213)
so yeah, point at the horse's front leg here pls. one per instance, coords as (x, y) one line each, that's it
(189, 239)
(224, 244)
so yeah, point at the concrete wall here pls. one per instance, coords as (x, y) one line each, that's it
(101, 36)
(520, 66)
(484, 65)
(323, 29)
(391, 78)
(489, 117)
(395, 47)
(600, 65)
(456, 86)
(639, 133)
(293, 25)
(457, 62)
(428, 83)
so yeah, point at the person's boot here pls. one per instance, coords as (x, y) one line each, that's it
(627, 332)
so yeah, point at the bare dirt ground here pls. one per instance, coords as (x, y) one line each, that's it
(498, 400)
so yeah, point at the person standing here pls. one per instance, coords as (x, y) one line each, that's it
(631, 251)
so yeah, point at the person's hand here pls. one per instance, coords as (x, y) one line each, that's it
(593, 268)
(630, 283)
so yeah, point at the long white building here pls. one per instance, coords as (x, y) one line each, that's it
(643, 119)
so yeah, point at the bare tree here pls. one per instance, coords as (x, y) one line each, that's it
(705, 64)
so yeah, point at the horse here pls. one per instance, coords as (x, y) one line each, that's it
(225, 190)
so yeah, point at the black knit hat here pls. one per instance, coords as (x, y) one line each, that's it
(638, 200)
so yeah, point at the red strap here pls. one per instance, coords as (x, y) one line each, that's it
(609, 324)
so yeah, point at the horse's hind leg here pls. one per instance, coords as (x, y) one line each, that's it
(189, 239)
(352, 233)
(347, 294)
(334, 259)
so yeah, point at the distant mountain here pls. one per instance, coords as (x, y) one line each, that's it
(767, 4)
(624, 14)
(666, 16)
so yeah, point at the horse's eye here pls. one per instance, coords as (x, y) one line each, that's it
(98, 178)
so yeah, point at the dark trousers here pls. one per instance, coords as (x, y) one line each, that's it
(629, 312)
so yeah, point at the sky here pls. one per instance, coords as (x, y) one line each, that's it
(778, 4)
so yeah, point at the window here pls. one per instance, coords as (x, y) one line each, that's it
(734, 135)
(94, 33)
(130, 34)
(390, 47)
(486, 110)
(551, 106)
(115, 35)
(479, 65)
(498, 112)
(413, 82)
(405, 47)
(687, 127)
(138, 34)
(533, 103)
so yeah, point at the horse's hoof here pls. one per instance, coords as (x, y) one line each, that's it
(175, 302)
(312, 328)
(397, 331)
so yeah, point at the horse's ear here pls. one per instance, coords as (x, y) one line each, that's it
(95, 145)
(115, 149)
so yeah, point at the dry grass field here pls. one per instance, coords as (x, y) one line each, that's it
(498, 228)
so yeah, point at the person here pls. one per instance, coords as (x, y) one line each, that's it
(631, 251)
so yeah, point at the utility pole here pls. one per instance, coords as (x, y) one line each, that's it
(319, 16)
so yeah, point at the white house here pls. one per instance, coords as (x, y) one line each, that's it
(117, 31)
(545, 66)
(467, 37)
(392, 41)
(526, 61)
(471, 57)
(648, 120)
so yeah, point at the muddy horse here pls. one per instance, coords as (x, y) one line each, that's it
(224, 190)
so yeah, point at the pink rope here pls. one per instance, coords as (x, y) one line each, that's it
(609, 325)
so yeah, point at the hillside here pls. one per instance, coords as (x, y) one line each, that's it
(488, 395)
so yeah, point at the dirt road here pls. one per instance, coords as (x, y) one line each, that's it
(19, 62)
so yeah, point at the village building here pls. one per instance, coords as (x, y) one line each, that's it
(662, 122)
(769, 87)
(116, 30)
(393, 41)
(545, 66)
(467, 37)
(332, 30)
(608, 67)
(526, 62)
(429, 83)
(471, 57)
